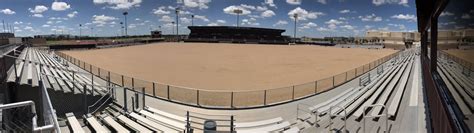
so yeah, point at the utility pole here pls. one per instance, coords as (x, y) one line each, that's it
(80, 31)
(294, 33)
(177, 23)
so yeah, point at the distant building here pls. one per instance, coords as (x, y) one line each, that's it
(232, 34)
(156, 34)
(6, 35)
(448, 39)
(395, 40)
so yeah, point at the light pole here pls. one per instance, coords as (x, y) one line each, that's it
(92, 31)
(172, 23)
(192, 20)
(80, 31)
(121, 28)
(238, 12)
(126, 26)
(177, 23)
(294, 32)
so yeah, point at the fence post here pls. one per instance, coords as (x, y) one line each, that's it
(98, 70)
(133, 104)
(188, 124)
(197, 97)
(315, 87)
(137, 105)
(168, 91)
(232, 99)
(143, 97)
(293, 93)
(133, 83)
(123, 85)
(92, 84)
(333, 81)
(265, 97)
(125, 99)
(154, 90)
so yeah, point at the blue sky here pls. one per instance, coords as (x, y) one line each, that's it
(318, 18)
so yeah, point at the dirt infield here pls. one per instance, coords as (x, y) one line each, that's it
(467, 55)
(229, 66)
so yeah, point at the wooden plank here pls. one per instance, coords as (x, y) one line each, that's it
(75, 126)
(116, 126)
(133, 125)
(254, 124)
(181, 126)
(151, 124)
(96, 125)
(270, 128)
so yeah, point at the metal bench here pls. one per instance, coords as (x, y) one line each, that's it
(74, 124)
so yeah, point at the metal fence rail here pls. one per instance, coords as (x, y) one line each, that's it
(228, 99)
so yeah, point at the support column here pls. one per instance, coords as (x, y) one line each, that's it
(434, 44)
(424, 44)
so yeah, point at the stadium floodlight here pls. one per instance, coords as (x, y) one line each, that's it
(80, 31)
(126, 26)
(172, 23)
(121, 28)
(92, 31)
(192, 20)
(238, 12)
(295, 16)
(177, 22)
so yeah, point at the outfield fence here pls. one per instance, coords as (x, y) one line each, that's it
(228, 99)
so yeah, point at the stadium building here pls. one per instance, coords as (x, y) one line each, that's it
(395, 40)
(230, 34)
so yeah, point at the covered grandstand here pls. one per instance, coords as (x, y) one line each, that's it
(231, 34)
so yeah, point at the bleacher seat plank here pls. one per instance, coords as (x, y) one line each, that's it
(389, 89)
(116, 126)
(464, 108)
(254, 124)
(96, 125)
(75, 126)
(392, 109)
(469, 101)
(181, 126)
(133, 125)
(270, 128)
(165, 114)
(292, 130)
(467, 88)
(152, 124)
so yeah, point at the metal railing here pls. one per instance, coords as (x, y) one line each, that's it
(228, 99)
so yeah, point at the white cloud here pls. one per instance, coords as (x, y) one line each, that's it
(49, 22)
(322, 29)
(119, 4)
(37, 15)
(382, 2)
(408, 17)
(446, 13)
(303, 14)
(161, 11)
(203, 18)
(280, 22)
(60, 6)
(201, 4)
(322, 1)
(28, 28)
(371, 17)
(349, 27)
(7, 11)
(72, 14)
(212, 24)
(261, 8)
(38, 9)
(268, 13)
(308, 25)
(101, 20)
(270, 3)
(46, 26)
(18, 22)
(166, 19)
(345, 11)
(250, 7)
(230, 10)
(185, 20)
(466, 16)
(293, 2)
(333, 21)
(221, 21)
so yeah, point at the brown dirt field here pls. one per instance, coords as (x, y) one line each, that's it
(229, 67)
(467, 55)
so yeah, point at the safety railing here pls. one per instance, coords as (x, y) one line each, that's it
(227, 99)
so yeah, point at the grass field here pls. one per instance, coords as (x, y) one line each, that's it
(229, 67)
